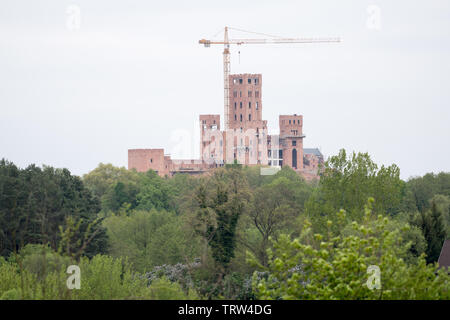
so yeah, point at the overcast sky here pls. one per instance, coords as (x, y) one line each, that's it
(77, 89)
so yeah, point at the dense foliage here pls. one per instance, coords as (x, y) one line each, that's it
(35, 203)
(232, 234)
(334, 266)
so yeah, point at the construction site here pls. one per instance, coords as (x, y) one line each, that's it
(243, 137)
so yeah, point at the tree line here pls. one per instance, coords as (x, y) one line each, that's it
(230, 234)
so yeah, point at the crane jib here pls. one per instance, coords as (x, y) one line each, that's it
(226, 56)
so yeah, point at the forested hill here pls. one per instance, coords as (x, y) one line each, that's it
(234, 234)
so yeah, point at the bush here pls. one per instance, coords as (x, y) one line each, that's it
(164, 289)
(149, 239)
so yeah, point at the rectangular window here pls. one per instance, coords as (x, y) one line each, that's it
(240, 81)
(249, 105)
(256, 80)
(240, 104)
(257, 105)
(249, 94)
(235, 105)
(256, 94)
(249, 81)
(235, 94)
(294, 142)
(240, 94)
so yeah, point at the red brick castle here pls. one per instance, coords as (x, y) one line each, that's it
(244, 139)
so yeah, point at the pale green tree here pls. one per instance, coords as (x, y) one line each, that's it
(335, 266)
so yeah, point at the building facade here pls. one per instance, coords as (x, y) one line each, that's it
(245, 140)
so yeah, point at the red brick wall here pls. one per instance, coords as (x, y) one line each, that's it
(144, 159)
(296, 123)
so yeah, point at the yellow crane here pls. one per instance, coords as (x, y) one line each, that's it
(226, 55)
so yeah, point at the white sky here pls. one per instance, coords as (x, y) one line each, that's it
(134, 76)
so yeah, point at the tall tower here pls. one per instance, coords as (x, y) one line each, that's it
(245, 108)
(291, 140)
(247, 132)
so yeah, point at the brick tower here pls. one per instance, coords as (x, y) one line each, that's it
(249, 131)
(291, 140)
(211, 141)
(245, 101)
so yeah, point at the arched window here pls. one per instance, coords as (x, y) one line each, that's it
(294, 158)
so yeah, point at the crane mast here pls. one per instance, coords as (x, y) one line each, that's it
(226, 76)
(227, 63)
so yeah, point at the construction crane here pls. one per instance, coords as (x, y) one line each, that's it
(226, 55)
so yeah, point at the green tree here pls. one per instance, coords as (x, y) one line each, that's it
(120, 195)
(443, 205)
(182, 187)
(221, 200)
(150, 238)
(102, 278)
(334, 266)
(423, 189)
(155, 192)
(347, 182)
(35, 202)
(163, 289)
(274, 207)
(433, 228)
(14, 220)
(104, 176)
(107, 278)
